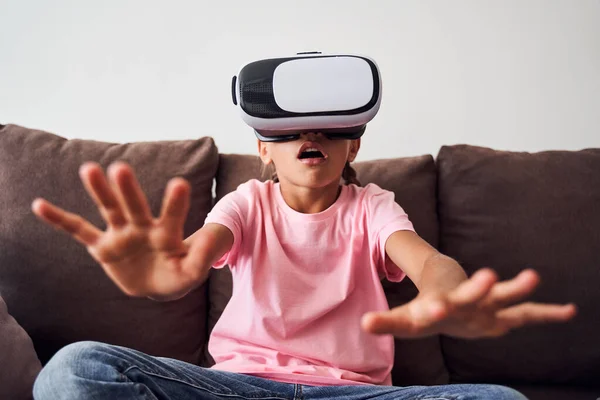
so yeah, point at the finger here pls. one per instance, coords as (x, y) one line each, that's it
(130, 193)
(76, 226)
(474, 289)
(176, 204)
(194, 261)
(99, 190)
(415, 319)
(505, 293)
(535, 313)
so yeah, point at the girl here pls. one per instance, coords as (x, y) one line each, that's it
(308, 317)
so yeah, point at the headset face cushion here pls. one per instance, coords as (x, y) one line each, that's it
(351, 133)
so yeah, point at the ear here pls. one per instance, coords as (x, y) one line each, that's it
(354, 147)
(263, 152)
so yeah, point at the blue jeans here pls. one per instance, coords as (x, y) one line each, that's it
(91, 370)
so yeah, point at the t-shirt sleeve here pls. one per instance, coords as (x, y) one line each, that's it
(386, 217)
(231, 212)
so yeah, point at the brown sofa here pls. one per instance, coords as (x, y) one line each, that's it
(506, 210)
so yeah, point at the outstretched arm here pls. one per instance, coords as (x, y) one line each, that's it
(450, 303)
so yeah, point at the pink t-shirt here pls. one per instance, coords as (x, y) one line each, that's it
(301, 283)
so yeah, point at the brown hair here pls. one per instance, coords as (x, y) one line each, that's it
(348, 174)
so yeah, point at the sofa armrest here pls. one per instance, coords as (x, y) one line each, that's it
(20, 364)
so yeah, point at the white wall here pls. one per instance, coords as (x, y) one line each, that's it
(508, 74)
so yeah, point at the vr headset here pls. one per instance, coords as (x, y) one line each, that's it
(281, 98)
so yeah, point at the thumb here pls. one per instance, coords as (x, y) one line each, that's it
(396, 321)
(411, 320)
(193, 262)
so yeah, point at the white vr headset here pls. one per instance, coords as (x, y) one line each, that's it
(280, 98)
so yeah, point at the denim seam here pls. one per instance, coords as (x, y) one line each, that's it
(234, 395)
(298, 392)
(147, 394)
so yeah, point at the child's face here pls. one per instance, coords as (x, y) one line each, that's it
(297, 164)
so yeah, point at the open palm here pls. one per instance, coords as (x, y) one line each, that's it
(144, 256)
(479, 307)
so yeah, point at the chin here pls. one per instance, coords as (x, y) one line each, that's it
(314, 181)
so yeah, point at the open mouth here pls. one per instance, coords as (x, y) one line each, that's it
(311, 151)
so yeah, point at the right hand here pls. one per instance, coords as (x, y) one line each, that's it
(144, 256)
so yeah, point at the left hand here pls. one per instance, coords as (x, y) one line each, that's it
(478, 307)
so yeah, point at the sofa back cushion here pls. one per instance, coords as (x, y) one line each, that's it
(511, 211)
(52, 286)
(413, 180)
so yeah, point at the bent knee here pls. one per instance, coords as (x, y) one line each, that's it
(70, 362)
(75, 355)
(503, 393)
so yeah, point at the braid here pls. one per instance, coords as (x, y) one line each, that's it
(349, 175)
(274, 177)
